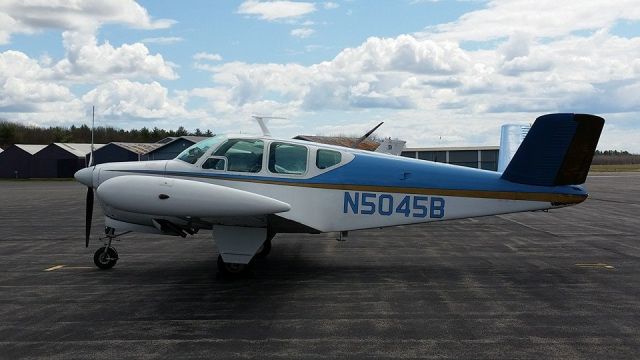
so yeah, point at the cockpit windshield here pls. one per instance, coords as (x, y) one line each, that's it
(195, 151)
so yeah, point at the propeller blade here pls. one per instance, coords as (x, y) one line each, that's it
(89, 214)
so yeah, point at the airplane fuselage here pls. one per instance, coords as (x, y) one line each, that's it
(365, 190)
(246, 189)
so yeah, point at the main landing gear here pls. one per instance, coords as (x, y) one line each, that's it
(234, 269)
(106, 257)
(264, 249)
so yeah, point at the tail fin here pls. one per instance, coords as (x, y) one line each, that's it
(558, 150)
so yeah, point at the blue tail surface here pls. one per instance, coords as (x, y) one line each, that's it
(558, 150)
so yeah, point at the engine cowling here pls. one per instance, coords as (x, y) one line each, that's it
(178, 197)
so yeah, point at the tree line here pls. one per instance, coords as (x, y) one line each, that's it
(14, 133)
(615, 157)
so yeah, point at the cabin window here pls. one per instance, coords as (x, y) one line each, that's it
(215, 163)
(288, 159)
(243, 155)
(327, 158)
(195, 151)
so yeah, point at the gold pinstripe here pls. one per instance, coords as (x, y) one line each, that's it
(483, 194)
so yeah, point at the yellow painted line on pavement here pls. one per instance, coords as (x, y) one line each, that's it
(54, 268)
(595, 265)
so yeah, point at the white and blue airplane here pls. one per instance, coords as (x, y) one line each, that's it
(246, 189)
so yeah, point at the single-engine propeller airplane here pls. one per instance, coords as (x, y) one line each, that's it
(246, 189)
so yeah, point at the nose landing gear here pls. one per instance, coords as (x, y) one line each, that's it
(106, 257)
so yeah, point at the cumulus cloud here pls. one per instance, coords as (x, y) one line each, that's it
(403, 53)
(544, 18)
(420, 77)
(24, 85)
(27, 94)
(371, 75)
(18, 16)
(124, 99)
(39, 91)
(86, 60)
(276, 10)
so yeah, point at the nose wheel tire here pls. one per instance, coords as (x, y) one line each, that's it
(105, 259)
(231, 269)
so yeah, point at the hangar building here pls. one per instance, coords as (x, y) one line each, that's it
(172, 146)
(61, 160)
(123, 151)
(16, 161)
(480, 157)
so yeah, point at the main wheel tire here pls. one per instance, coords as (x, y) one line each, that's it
(264, 250)
(231, 269)
(105, 260)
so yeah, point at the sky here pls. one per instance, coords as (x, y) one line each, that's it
(438, 73)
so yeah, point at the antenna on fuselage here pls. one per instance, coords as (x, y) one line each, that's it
(263, 124)
(365, 136)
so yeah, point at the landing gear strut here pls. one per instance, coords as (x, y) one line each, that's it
(106, 257)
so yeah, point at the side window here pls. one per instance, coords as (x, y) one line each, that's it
(214, 163)
(287, 158)
(327, 158)
(243, 155)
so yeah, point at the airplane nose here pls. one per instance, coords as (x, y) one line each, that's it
(85, 176)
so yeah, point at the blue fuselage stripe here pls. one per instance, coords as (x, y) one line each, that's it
(384, 171)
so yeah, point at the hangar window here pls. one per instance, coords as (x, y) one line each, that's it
(468, 158)
(287, 158)
(195, 151)
(489, 160)
(327, 158)
(437, 156)
(243, 155)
